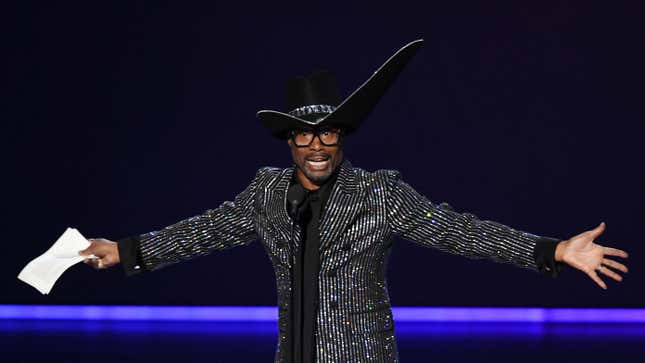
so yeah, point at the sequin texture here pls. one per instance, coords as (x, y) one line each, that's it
(364, 212)
(309, 109)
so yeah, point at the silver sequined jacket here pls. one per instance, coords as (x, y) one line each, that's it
(364, 211)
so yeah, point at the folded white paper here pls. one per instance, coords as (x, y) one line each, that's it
(43, 271)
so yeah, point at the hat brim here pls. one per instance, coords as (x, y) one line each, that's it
(356, 107)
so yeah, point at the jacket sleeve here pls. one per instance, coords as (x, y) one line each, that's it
(413, 217)
(129, 255)
(229, 225)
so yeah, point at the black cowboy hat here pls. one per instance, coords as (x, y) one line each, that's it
(313, 101)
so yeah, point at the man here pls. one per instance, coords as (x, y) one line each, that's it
(327, 227)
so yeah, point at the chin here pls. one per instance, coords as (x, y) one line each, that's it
(318, 178)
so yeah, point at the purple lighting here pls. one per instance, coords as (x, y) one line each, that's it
(270, 314)
(519, 315)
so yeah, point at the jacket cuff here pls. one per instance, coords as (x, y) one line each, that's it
(544, 254)
(130, 256)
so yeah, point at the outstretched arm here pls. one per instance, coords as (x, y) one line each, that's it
(414, 217)
(229, 225)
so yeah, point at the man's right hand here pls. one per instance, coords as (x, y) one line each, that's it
(106, 251)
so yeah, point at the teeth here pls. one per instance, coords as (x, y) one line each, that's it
(317, 163)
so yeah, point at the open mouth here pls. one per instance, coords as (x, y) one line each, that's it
(318, 163)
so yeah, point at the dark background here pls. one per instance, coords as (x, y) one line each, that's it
(124, 118)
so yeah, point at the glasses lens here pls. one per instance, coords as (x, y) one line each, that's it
(329, 136)
(303, 137)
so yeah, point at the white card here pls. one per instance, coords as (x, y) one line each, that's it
(43, 271)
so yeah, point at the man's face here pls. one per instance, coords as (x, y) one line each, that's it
(316, 161)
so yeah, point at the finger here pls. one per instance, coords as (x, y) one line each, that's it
(614, 264)
(594, 276)
(608, 272)
(87, 251)
(107, 261)
(615, 252)
(97, 264)
(92, 262)
(598, 230)
(104, 263)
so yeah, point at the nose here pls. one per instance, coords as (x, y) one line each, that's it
(316, 144)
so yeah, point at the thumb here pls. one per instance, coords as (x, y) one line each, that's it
(89, 250)
(598, 230)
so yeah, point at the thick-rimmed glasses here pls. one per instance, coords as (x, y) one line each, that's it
(328, 136)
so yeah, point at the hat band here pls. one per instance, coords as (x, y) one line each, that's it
(309, 109)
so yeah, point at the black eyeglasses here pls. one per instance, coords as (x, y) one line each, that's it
(328, 136)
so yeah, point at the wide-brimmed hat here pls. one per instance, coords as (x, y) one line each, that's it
(313, 101)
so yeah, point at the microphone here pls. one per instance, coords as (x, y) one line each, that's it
(295, 197)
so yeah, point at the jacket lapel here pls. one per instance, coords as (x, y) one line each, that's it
(344, 203)
(276, 209)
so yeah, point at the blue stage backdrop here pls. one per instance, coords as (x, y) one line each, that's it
(125, 118)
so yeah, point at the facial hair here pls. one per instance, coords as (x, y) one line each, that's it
(320, 178)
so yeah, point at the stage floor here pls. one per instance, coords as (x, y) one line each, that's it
(158, 341)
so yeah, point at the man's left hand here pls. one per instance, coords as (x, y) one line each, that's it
(582, 253)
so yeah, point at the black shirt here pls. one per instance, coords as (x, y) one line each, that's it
(304, 298)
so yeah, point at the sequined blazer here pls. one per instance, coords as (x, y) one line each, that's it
(364, 212)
